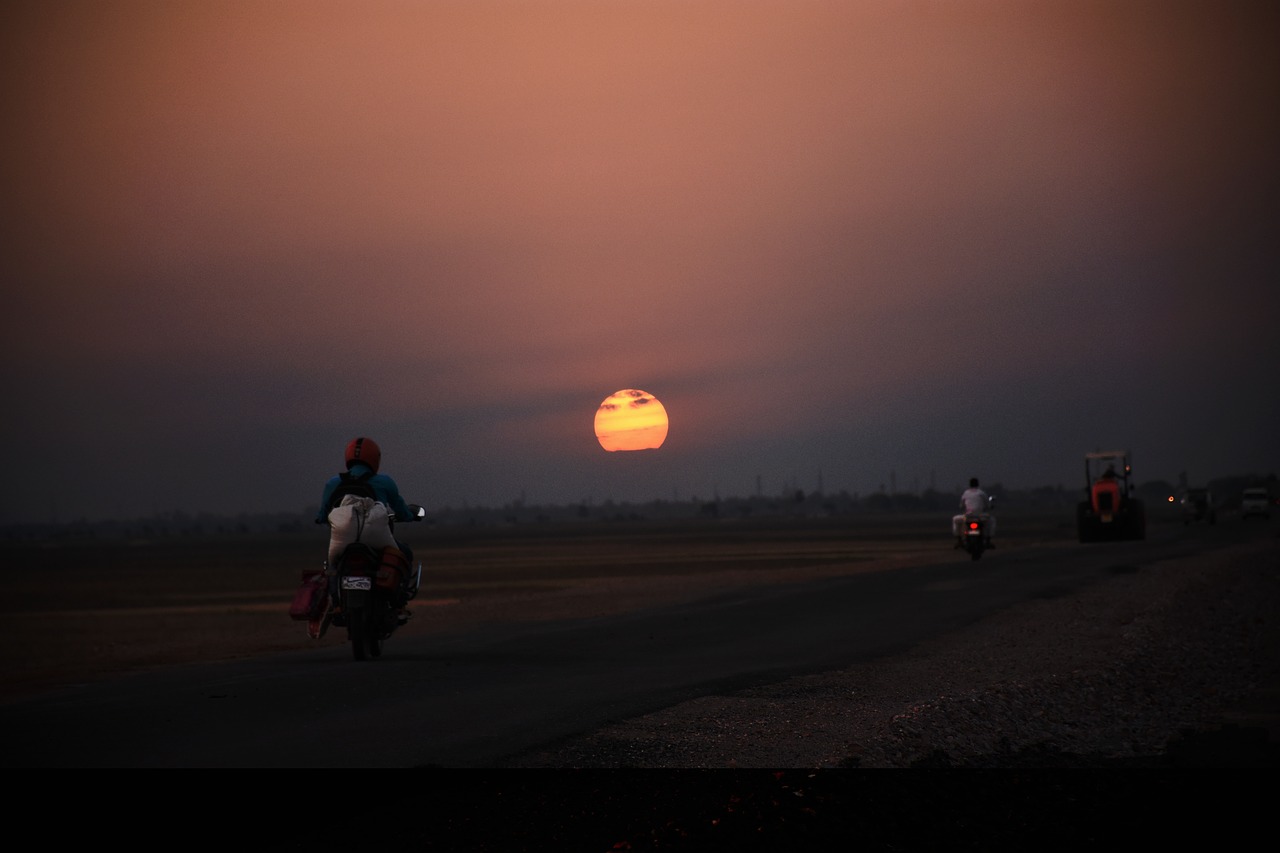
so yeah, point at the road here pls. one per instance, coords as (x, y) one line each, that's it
(478, 698)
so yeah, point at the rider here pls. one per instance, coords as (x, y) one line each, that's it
(973, 501)
(363, 456)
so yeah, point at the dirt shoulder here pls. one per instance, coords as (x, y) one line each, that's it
(1178, 665)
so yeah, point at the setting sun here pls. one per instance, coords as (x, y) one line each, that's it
(631, 420)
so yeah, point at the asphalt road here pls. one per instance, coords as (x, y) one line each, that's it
(480, 698)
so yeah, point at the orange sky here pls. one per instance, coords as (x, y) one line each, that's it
(459, 225)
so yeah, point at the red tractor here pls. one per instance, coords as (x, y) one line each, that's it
(1110, 512)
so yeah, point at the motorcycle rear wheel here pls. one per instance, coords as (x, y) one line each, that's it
(358, 631)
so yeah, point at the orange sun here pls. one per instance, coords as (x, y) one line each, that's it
(631, 420)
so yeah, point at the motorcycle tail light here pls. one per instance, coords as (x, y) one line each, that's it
(973, 525)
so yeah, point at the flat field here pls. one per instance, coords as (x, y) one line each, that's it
(83, 610)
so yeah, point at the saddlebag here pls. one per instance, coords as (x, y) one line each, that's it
(312, 597)
(393, 570)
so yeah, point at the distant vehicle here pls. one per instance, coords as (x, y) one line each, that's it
(1255, 501)
(1197, 505)
(975, 531)
(1109, 510)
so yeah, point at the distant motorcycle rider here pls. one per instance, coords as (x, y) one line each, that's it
(974, 501)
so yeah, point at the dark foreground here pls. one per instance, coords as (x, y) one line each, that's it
(1030, 797)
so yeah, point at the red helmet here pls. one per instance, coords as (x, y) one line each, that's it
(364, 450)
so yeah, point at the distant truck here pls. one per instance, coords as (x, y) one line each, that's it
(1109, 511)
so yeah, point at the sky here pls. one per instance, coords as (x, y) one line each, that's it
(853, 246)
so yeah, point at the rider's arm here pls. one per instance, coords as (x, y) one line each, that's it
(322, 514)
(396, 503)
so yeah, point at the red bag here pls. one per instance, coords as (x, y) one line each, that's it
(393, 569)
(312, 597)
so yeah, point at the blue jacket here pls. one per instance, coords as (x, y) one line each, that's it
(383, 486)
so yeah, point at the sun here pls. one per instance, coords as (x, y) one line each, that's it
(631, 420)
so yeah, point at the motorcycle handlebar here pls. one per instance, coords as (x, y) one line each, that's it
(417, 513)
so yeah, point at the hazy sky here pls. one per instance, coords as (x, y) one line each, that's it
(856, 243)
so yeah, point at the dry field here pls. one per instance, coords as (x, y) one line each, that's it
(77, 611)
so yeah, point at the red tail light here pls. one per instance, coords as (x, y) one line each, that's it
(973, 525)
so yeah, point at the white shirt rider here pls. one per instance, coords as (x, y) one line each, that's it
(973, 500)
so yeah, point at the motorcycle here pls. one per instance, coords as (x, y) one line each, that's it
(975, 531)
(364, 592)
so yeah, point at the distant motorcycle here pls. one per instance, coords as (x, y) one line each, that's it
(975, 531)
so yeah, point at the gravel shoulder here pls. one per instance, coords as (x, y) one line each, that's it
(1176, 664)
